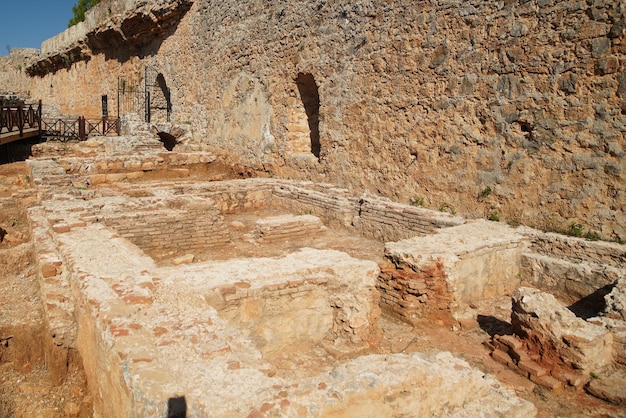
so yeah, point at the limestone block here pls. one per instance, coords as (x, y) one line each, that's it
(616, 300)
(185, 259)
(60, 228)
(557, 335)
(610, 387)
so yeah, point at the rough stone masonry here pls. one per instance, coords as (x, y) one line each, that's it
(507, 109)
(514, 109)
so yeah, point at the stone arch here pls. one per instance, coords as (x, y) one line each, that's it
(303, 129)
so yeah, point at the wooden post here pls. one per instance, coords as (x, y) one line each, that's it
(81, 128)
(20, 119)
(39, 118)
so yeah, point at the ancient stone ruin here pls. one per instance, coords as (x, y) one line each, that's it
(323, 209)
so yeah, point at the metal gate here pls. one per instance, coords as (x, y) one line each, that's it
(131, 98)
(152, 99)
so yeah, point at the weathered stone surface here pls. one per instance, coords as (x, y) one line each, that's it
(609, 386)
(554, 334)
(194, 336)
(616, 300)
(285, 227)
(488, 113)
(445, 273)
(185, 259)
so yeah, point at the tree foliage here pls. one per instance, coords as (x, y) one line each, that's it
(80, 9)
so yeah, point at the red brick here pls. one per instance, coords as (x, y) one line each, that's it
(571, 378)
(501, 357)
(532, 368)
(48, 270)
(119, 332)
(158, 331)
(510, 341)
(137, 300)
(519, 354)
(228, 290)
(142, 360)
(546, 381)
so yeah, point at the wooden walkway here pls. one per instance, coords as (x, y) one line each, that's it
(19, 122)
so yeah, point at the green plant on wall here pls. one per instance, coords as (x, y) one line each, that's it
(417, 201)
(79, 10)
(575, 229)
(485, 192)
(494, 216)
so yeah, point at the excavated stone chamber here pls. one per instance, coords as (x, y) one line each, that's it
(166, 310)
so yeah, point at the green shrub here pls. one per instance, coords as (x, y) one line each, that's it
(494, 216)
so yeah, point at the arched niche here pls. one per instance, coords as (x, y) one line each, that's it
(303, 130)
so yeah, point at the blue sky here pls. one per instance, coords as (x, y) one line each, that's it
(27, 23)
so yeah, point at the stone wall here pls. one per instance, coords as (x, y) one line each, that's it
(507, 107)
(448, 275)
(523, 102)
(575, 270)
(13, 78)
(176, 231)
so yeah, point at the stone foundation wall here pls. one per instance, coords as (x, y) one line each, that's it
(412, 294)
(371, 216)
(515, 108)
(553, 347)
(293, 315)
(446, 276)
(579, 249)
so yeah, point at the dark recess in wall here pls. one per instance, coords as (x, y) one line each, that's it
(311, 101)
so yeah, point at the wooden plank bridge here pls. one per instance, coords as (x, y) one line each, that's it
(19, 121)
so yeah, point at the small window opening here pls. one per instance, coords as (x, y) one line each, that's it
(311, 101)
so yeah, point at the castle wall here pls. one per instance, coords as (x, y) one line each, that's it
(507, 108)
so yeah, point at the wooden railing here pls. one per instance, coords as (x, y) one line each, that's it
(17, 118)
(78, 129)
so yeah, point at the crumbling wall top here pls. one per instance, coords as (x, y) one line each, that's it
(108, 25)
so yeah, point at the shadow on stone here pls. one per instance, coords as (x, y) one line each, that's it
(494, 326)
(592, 304)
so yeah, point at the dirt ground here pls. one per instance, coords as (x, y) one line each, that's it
(27, 389)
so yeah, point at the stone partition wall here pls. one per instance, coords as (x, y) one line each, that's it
(447, 276)
(177, 231)
(512, 108)
(575, 270)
